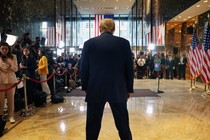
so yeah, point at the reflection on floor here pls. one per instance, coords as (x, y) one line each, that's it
(176, 115)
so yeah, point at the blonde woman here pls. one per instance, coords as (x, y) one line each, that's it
(8, 67)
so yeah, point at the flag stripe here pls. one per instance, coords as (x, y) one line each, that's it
(97, 20)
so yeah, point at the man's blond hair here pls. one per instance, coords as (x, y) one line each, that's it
(107, 25)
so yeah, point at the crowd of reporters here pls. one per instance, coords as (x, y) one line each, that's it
(38, 63)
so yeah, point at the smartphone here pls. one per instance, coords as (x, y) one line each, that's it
(4, 57)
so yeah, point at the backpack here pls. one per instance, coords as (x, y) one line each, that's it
(57, 99)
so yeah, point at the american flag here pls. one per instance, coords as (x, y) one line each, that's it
(193, 56)
(50, 36)
(97, 20)
(205, 73)
(199, 57)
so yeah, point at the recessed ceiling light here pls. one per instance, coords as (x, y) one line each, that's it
(205, 1)
(175, 19)
(180, 17)
(189, 17)
(198, 5)
(115, 8)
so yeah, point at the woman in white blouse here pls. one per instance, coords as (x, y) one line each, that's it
(8, 67)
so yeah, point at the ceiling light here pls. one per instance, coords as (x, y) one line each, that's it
(198, 5)
(205, 1)
(115, 8)
(185, 19)
(189, 17)
(180, 17)
(175, 19)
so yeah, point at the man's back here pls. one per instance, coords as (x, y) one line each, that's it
(109, 61)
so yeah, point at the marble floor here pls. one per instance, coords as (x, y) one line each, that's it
(177, 115)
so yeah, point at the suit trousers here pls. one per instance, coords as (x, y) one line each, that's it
(94, 118)
(44, 85)
(9, 94)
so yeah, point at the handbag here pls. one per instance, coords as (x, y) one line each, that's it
(57, 99)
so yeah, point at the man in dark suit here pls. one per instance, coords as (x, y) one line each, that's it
(182, 66)
(107, 75)
(170, 66)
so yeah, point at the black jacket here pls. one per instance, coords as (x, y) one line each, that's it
(106, 69)
(31, 66)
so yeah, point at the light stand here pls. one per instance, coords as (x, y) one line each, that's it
(157, 68)
(158, 90)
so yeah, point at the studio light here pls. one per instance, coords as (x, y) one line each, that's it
(61, 44)
(72, 50)
(11, 39)
(151, 47)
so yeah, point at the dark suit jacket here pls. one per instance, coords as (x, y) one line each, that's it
(107, 69)
(170, 64)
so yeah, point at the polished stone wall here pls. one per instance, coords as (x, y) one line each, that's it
(19, 16)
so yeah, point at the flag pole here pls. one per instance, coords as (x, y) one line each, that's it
(207, 89)
(206, 92)
(194, 87)
(191, 86)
